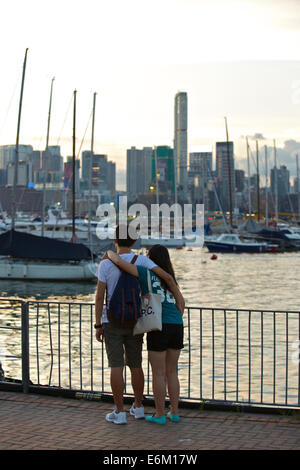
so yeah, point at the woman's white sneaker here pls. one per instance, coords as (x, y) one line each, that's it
(138, 413)
(116, 418)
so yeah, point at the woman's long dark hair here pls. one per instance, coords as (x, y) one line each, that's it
(159, 255)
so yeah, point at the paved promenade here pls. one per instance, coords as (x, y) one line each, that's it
(42, 422)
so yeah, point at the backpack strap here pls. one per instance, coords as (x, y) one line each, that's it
(134, 259)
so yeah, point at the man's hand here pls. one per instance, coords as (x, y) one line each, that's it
(105, 256)
(99, 335)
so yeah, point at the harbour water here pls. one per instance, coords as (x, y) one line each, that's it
(258, 282)
(251, 281)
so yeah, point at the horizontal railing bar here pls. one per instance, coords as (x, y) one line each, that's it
(216, 309)
(10, 328)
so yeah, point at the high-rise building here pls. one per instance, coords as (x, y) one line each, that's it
(239, 180)
(52, 159)
(138, 171)
(283, 180)
(7, 154)
(68, 174)
(103, 172)
(201, 163)
(296, 185)
(163, 164)
(25, 175)
(200, 172)
(181, 139)
(111, 176)
(224, 172)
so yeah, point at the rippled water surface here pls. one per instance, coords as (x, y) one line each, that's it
(251, 281)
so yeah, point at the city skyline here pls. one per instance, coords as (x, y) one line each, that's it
(254, 81)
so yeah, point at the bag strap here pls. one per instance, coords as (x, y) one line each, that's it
(134, 259)
(149, 281)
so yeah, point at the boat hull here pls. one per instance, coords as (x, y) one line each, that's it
(216, 247)
(14, 269)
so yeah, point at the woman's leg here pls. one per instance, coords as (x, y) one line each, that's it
(158, 365)
(172, 357)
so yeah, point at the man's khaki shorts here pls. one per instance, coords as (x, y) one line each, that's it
(120, 342)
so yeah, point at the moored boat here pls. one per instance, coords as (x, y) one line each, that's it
(26, 256)
(231, 242)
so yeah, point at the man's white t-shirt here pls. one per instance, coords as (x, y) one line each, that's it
(109, 273)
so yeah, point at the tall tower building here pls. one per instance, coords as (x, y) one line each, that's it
(180, 139)
(223, 171)
(138, 171)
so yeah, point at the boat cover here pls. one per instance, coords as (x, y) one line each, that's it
(28, 246)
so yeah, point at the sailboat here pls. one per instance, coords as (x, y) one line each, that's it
(26, 256)
(32, 257)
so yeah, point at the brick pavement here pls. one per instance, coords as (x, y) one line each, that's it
(43, 422)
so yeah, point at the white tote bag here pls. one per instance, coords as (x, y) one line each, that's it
(151, 318)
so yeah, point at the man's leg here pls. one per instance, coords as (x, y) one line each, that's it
(137, 382)
(117, 387)
(115, 354)
(133, 351)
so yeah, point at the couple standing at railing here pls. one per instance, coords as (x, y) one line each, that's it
(152, 277)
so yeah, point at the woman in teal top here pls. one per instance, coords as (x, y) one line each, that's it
(163, 346)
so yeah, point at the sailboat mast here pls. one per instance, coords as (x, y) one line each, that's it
(276, 183)
(298, 185)
(229, 175)
(74, 166)
(249, 179)
(17, 146)
(90, 171)
(267, 202)
(47, 145)
(257, 181)
(49, 114)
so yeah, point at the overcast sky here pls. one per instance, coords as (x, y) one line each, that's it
(234, 58)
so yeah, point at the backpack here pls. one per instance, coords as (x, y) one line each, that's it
(124, 307)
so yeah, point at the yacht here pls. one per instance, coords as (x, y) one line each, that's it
(231, 242)
(31, 257)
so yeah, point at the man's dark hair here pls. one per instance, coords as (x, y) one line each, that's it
(122, 236)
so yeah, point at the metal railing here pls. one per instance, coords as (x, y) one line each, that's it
(230, 356)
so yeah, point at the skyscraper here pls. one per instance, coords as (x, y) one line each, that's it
(138, 171)
(223, 171)
(163, 164)
(180, 139)
(283, 180)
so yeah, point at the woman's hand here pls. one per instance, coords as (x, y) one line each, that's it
(180, 306)
(114, 257)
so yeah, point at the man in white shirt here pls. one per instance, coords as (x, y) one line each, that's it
(121, 340)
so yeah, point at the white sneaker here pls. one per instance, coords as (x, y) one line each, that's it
(116, 418)
(138, 413)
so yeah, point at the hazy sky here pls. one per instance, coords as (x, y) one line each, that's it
(234, 58)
